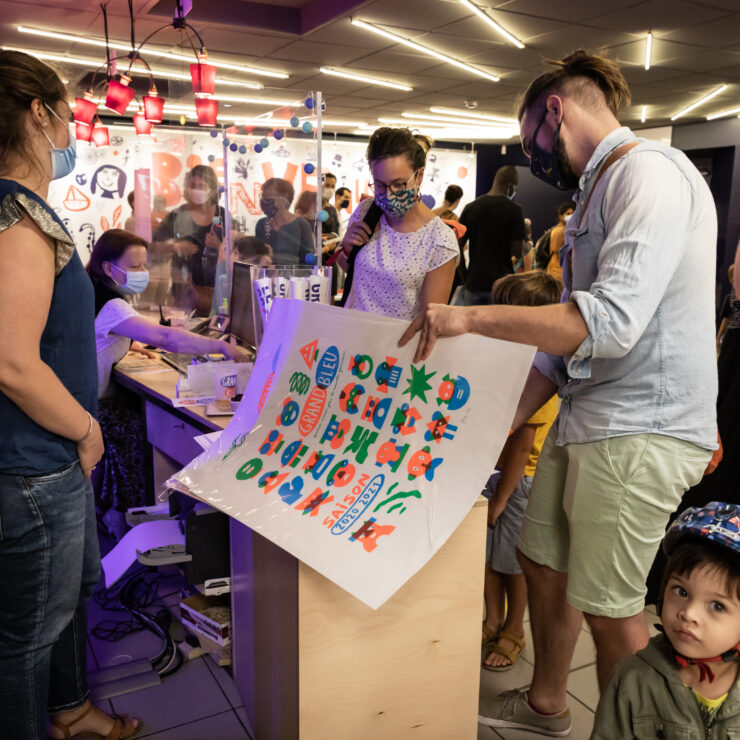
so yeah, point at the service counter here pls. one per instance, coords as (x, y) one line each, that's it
(311, 662)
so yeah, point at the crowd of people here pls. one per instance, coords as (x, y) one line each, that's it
(612, 440)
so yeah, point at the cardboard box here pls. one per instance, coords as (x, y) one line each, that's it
(209, 616)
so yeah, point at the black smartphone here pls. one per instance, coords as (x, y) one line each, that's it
(373, 216)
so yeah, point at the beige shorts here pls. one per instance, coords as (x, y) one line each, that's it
(598, 511)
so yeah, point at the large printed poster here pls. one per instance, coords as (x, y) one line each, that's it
(93, 198)
(352, 458)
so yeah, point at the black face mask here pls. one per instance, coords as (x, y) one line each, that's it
(268, 207)
(344, 203)
(552, 167)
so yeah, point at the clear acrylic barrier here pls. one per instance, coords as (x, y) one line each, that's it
(192, 245)
(312, 284)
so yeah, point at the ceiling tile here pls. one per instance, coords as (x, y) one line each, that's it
(315, 54)
(713, 35)
(411, 15)
(659, 16)
(524, 27)
(574, 11)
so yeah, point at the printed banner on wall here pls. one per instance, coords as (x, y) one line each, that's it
(352, 458)
(93, 198)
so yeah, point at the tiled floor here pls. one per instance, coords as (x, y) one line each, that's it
(200, 700)
(197, 702)
(583, 690)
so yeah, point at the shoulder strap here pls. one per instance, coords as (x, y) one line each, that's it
(618, 153)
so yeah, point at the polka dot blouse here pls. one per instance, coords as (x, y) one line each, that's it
(390, 268)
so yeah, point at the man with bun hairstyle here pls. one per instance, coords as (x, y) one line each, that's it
(630, 352)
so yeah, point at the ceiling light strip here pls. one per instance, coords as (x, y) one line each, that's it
(699, 102)
(648, 49)
(363, 78)
(450, 119)
(722, 114)
(89, 41)
(95, 64)
(496, 27)
(492, 131)
(477, 116)
(423, 49)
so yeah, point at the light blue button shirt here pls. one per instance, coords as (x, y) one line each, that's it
(641, 268)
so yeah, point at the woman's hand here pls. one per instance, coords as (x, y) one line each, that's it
(357, 234)
(212, 241)
(140, 349)
(90, 449)
(184, 248)
(236, 353)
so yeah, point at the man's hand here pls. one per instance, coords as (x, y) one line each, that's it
(438, 320)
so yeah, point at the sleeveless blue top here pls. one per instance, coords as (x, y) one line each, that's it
(67, 343)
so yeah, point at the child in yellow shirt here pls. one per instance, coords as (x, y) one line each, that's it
(507, 490)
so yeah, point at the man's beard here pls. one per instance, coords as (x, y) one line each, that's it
(566, 170)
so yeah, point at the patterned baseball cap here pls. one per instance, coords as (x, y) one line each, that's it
(716, 522)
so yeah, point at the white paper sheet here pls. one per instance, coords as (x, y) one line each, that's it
(350, 457)
(142, 537)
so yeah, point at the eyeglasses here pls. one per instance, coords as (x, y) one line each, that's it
(396, 188)
(527, 147)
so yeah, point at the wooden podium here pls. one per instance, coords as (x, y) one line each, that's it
(312, 662)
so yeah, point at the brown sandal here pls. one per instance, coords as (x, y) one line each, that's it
(487, 635)
(123, 728)
(511, 655)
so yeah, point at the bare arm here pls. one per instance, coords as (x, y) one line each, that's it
(557, 329)
(736, 273)
(437, 284)
(537, 392)
(517, 248)
(513, 461)
(175, 339)
(27, 281)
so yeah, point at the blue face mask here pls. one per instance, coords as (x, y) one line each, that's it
(136, 280)
(397, 204)
(62, 160)
(546, 166)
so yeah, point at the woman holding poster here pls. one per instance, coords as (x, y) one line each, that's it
(409, 260)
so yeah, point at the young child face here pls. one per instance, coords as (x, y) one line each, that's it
(700, 616)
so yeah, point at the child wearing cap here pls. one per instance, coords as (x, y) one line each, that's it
(684, 683)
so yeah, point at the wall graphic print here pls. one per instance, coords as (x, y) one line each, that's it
(348, 455)
(95, 193)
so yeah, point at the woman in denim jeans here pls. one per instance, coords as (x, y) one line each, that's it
(49, 438)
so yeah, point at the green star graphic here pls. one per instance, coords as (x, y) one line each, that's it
(419, 383)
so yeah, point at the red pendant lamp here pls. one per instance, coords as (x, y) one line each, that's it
(85, 109)
(119, 95)
(142, 126)
(100, 135)
(83, 131)
(153, 106)
(207, 110)
(203, 75)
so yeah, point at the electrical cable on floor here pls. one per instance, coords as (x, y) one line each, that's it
(134, 594)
